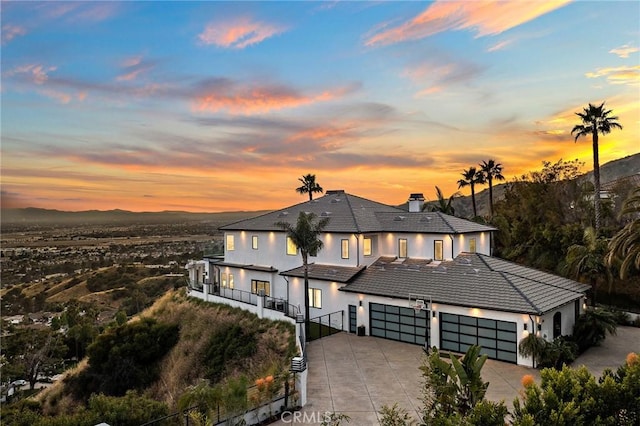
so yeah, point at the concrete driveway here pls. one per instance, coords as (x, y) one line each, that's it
(356, 376)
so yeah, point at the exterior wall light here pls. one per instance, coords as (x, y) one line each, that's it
(360, 303)
(434, 314)
(525, 326)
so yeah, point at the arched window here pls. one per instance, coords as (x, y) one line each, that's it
(557, 324)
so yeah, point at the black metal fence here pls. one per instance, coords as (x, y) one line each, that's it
(325, 325)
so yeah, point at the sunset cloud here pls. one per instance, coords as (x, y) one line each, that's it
(236, 98)
(437, 75)
(624, 51)
(133, 67)
(238, 34)
(500, 45)
(10, 31)
(483, 17)
(36, 73)
(618, 75)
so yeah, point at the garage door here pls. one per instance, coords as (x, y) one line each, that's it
(398, 323)
(498, 339)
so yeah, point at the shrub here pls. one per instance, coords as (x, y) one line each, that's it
(591, 328)
(229, 346)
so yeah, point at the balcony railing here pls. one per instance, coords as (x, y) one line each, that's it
(281, 305)
(272, 303)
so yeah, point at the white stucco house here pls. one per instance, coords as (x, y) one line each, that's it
(424, 278)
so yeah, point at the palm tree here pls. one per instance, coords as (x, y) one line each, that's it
(625, 245)
(471, 178)
(444, 205)
(491, 170)
(309, 186)
(306, 236)
(587, 261)
(595, 121)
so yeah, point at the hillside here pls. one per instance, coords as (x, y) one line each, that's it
(202, 351)
(609, 173)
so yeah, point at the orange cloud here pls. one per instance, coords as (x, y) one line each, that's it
(238, 34)
(10, 31)
(38, 72)
(499, 46)
(624, 51)
(485, 17)
(618, 75)
(259, 99)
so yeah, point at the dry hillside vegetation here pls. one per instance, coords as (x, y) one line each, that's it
(187, 363)
(207, 348)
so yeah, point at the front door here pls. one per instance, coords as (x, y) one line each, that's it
(353, 318)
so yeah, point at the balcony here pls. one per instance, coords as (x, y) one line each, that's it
(243, 299)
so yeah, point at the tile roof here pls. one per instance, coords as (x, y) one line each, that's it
(472, 280)
(352, 214)
(340, 274)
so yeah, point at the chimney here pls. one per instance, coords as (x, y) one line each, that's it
(415, 202)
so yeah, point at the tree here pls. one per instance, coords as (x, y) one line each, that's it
(30, 352)
(471, 177)
(454, 392)
(595, 121)
(532, 346)
(625, 245)
(587, 261)
(575, 397)
(444, 205)
(306, 236)
(309, 186)
(491, 170)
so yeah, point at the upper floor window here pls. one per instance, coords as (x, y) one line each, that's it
(345, 248)
(402, 247)
(231, 242)
(254, 242)
(472, 245)
(292, 249)
(366, 247)
(315, 298)
(438, 250)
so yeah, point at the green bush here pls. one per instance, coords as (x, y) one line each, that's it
(592, 326)
(573, 397)
(125, 357)
(227, 348)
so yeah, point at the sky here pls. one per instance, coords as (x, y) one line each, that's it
(222, 106)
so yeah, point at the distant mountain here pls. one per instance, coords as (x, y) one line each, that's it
(96, 217)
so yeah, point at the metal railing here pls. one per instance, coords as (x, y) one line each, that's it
(281, 305)
(325, 325)
(238, 295)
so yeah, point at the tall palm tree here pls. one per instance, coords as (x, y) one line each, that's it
(595, 121)
(625, 245)
(471, 178)
(306, 236)
(491, 170)
(309, 186)
(444, 205)
(587, 261)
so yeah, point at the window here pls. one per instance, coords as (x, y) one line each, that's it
(223, 279)
(315, 298)
(257, 285)
(438, 250)
(472, 245)
(230, 280)
(230, 243)
(366, 247)
(292, 249)
(254, 242)
(345, 248)
(402, 247)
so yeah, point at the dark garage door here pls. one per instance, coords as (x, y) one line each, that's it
(497, 338)
(399, 323)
